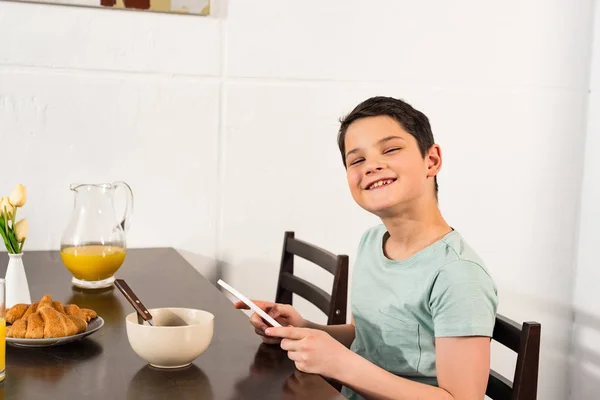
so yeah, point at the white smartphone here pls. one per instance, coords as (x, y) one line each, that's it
(250, 304)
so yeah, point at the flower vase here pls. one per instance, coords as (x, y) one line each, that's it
(17, 289)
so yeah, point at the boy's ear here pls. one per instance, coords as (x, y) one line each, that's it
(434, 160)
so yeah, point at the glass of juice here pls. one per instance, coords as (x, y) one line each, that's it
(2, 330)
(93, 245)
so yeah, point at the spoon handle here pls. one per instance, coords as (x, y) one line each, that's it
(133, 300)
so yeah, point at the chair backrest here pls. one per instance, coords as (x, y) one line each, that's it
(525, 341)
(334, 305)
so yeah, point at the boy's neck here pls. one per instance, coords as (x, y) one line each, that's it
(413, 230)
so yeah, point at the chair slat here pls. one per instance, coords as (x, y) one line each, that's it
(507, 332)
(498, 387)
(314, 254)
(307, 290)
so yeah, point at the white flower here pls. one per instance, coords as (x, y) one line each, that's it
(18, 196)
(5, 204)
(21, 230)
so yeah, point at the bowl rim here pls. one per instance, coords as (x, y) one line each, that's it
(207, 322)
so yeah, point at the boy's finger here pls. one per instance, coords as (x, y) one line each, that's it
(258, 322)
(290, 345)
(260, 328)
(275, 311)
(260, 332)
(264, 305)
(240, 305)
(288, 332)
(270, 340)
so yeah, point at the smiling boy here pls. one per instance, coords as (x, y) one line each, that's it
(423, 304)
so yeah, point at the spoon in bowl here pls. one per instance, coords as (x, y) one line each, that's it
(142, 311)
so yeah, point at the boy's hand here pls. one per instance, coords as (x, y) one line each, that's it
(283, 313)
(312, 350)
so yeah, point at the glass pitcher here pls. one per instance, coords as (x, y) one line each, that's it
(93, 245)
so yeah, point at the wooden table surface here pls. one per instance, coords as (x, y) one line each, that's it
(103, 366)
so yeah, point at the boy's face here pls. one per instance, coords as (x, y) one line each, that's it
(385, 170)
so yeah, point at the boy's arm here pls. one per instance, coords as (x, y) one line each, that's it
(342, 333)
(462, 365)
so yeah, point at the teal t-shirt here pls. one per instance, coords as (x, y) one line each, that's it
(400, 307)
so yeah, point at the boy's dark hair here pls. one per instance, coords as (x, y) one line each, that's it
(412, 121)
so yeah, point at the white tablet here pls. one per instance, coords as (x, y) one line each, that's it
(250, 304)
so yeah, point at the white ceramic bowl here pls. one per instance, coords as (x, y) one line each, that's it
(179, 337)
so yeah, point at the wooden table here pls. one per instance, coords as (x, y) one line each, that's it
(103, 366)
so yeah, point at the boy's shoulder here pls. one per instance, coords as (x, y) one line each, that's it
(457, 246)
(462, 261)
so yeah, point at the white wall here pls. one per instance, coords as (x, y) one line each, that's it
(92, 95)
(585, 360)
(236, 118)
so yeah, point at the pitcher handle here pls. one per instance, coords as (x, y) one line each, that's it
(126, 221)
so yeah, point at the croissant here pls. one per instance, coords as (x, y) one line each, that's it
(47, 319)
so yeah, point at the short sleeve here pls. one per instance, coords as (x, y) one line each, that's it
(463, 300)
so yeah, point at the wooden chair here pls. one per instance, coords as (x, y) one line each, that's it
(334, 305)
(525, 341)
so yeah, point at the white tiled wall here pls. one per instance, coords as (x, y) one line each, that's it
(226, 128)
(157, 134)
(108, 40)
(467, 42)
(585, 360)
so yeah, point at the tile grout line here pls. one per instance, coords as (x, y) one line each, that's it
(22, 68)
(222, 78)
(220, 150)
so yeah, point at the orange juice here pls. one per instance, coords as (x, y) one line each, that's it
(2, 347)
(93, 262)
